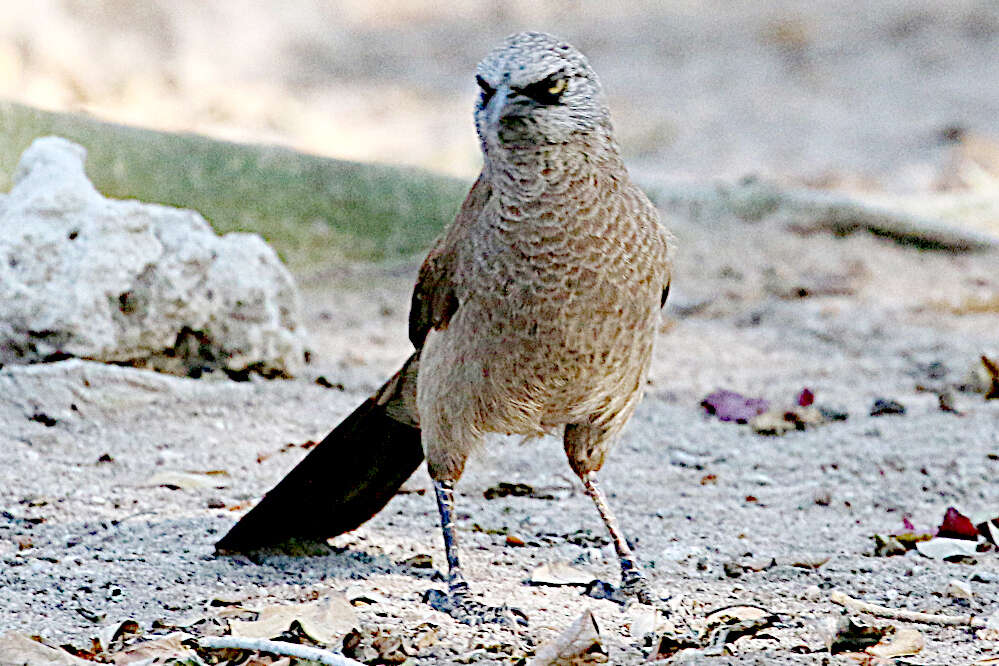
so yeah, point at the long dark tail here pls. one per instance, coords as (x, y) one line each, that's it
(345, 480)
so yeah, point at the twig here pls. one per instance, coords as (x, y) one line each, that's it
(846, 601)
(277, 647)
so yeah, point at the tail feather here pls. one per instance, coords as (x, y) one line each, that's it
(345, 480)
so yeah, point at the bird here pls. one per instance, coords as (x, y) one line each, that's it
(533, 314)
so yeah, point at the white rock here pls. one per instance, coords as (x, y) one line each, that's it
(129, 282)
(812, 593)
(958, 589)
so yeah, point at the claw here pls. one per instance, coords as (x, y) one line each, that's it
(459, 606)
(633, 584)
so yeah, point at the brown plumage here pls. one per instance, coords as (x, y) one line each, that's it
(534, 313)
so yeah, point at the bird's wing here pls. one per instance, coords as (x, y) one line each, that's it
(434, 297)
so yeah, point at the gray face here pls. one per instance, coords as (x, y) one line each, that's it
(536, 90)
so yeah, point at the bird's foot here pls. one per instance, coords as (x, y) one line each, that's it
(634, 587)
(457, 603)
(634, 584)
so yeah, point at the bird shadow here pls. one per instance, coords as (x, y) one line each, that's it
(316, 560)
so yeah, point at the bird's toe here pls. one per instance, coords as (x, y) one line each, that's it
(460, 606)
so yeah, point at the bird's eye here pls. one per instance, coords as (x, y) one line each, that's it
(547, 91)
(487, 90)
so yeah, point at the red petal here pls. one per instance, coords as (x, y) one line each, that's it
(805, 398)
(956, 525)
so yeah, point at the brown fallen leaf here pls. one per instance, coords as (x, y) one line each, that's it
(377, 646)
(419, 561)
(325, 621)
(579, 644)
(732, 622)
(17, 648)
(514, 540)
(113, 637)
(161, 650)
(992, 367)
(902, 643)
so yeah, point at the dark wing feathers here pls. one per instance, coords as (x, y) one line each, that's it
(435, 299)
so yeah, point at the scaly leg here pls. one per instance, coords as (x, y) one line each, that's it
(445, 504)
(456, 602)
(632, 580)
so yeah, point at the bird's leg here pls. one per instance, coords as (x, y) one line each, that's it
(457, 602)
(457, 587)
(632, 580)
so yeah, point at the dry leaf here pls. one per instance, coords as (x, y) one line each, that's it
(642, 620)
(780, 421)
(731, 406)
(728, 624)
(560, 573)
(325, 621)
(514, 540)
(113, 636)
(18, 648)
(161, 649)
(942, 549)
(177, 480)
(902, 643)
(851, 635)
(360, 594)
(579, 644)
(507, 489)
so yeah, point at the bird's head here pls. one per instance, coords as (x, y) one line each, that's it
(536, 90)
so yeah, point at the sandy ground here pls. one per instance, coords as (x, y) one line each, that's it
(833, 93)
(86, 543)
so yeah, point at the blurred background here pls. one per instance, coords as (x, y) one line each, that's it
(893, 95)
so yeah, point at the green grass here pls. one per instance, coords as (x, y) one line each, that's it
(311, 209)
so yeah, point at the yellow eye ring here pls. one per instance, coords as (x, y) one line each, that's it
(558, 87)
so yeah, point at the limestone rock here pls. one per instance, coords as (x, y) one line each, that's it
(134, 283)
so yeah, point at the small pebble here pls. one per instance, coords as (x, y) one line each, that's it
(885, 407)
(812, 593)
(958, 589)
